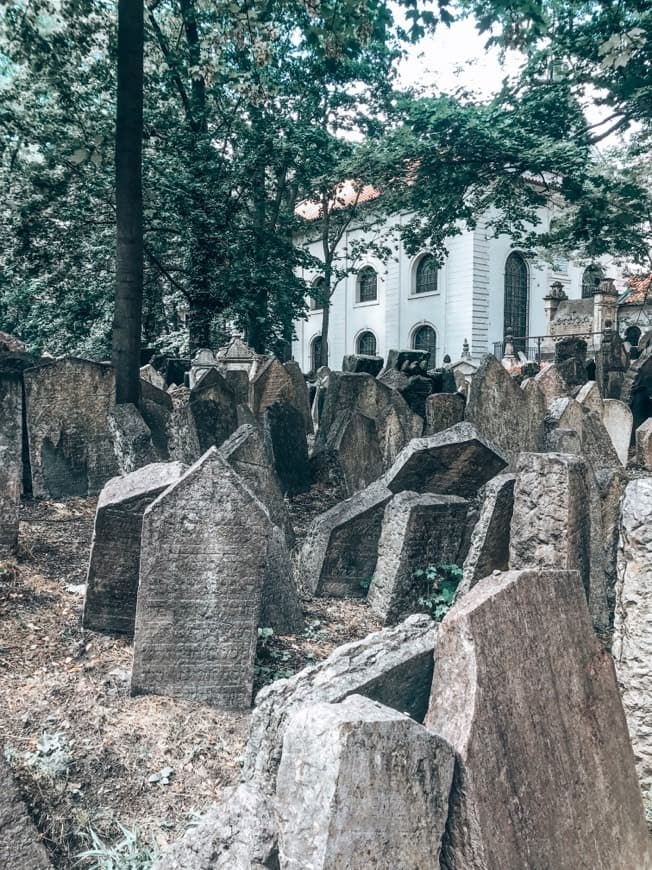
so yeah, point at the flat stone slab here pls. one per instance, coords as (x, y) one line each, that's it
(618, 420)
(9, 502)
(285, 438)
(20, 845)
(418, 530)
(112, 580)
(393, 666)
(361, 786)
(644, 445)
(443, 410)
(457, 461)
(527, 697)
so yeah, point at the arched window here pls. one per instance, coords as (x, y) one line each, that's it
(367, 343)
(315, 353)
(591, 281)
(425, 338)
(426, 276)
(517, 285)
(367, 285)
(317, 296)
(633, 335)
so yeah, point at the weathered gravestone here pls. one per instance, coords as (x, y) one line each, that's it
(589, 397)
(527, 697)
(132, 439)
(597, 447)
(341, 547)
(551, 521)
(618, 421)
(204, 548)
(454, 462)
(153, 376)
(644, 445)
(632, 641)
(213, 407)
(20, 844)
(352, 454)
(361, 786)
(285, 438)
(443, 410)
(551, 383)
(412, 362)
(299, 397)
(489, 549)
(112, 582)
(358, 362)
(393, 666)
(280, 608)
(570, 360)
(9, 502)
(156, 410)
(11, 416)
(415, 389)
(417, 531)
(67, 408)
(271, 383)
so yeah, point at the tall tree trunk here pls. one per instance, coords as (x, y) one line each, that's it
(127, 314)
(200, 319)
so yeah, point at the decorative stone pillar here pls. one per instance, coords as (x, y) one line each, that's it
(605, 307)
(552, 301)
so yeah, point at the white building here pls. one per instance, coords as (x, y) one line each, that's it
(485, 285)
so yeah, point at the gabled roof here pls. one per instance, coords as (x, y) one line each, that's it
(639, 290)
(347, 193)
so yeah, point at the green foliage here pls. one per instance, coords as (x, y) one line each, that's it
(127, 854)
(439, 584)
(271, 663)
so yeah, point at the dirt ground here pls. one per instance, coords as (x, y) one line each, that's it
(86, 754)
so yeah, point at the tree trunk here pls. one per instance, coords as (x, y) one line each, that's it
(200, 318)
(127, 315)
(325, 319)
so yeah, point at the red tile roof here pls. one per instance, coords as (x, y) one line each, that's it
(639, 290)
(348, 193)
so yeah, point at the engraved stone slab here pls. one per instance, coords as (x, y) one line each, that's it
(70, 446)
(443, 410)
(9, 502)
(454, 462)
(20, 845)
(361, 786)
(132, 438)
(214, 410)
(618, 421)
(112, 583)
(527, 697)
(417, 531)
(285, 437)
(204, 549)
(644, 445)
(353, 446)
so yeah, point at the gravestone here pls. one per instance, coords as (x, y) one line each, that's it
(245, 453)
(333, 754)
(454, 462)
(352, 453)
(570, 360)
(212, 405)
(202, 363)
(280, 608)
(411, 362)
(644, 445)
(299, 397)
(443, 410)
(551, 383)
(618, 421)
(527, 697)
(393, 666)
(417, 531)
(489, 549)
(358, 362)
(551, 522)
(272, 383)
(597, 447)
(20, 844)
(415, 389)
(182, 437)
(153, 376)
(112, 582)
(67, 409)
(204, 549)
(285, 437)
(156, 410)
(339, 554)
(9, 501)
(589, 397)
(11, 416)
(132, 438)
(632, 641)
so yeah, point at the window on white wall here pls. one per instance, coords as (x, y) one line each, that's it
(367, 286)
(317, 295)
(315, 353)
(517, 291)
(366, 344)
(426, 275)
(425, 338)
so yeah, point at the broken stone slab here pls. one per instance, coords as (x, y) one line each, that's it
(9, 502)
(551, 522)
(457, 461)
(67, 407)
(361, 786)
(545, 773)
(271, 383)
(153, 376)
(358, 362)
(415, 389)
(20, 844)
(245, 452)
(551, 383)
(213, 407)
(644, 445)
(13, 439)
(392, 666)
(300, 398)
(204, 549)
(589, 397)
(240, 833)
(443, 410)
(353, 445)
(339, 554)
(418, 530)
(632, 641)
(132, 439)
(412, 362)
(618, 421)
(489, 550)
(280, 608)
(597, 447)
(112, 580)
(285, 438)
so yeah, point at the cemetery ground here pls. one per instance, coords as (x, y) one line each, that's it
(86, 754)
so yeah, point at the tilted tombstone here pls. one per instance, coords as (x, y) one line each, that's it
(570, 360)
(285, 438)
(339, 554)
(545, 773)
(589, 397)
(443, 410)
(112, 581)
(412, 362)
(454, 462)
(9, 501)
(352, 453)
(204, 550)
(132, 439)
(21, 847)
(393, 666)
(67, 408)
(271, 383)
(551, 383)
(618, 421)
(182, 437)
(202, 363)
(333, 754)
(489, 550)
(153, 376)
(632, 640)
(280, 607)
(415, 389)
(299, 396)
(417, 531)
(11, 455)
(358, 362)
(213, 408)
(644, 445)
(156, 410)
(596, 444)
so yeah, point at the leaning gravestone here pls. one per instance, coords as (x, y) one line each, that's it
(156, 410)
(67, 409)
(204, 549)
(341, 548)
(589, 397)
(644, 445)
(551, 522)
(361, 786)
(11, 414)
(359, 362)
(213, 407)
(271, 383)
(285, 437)
(527, 697)
(417, 531)
(9, 502)
(280, 608)
(132, 438)
(551, 383)
(20, 844)
(352, 453)
(618, 421)
(443, 410)
(112, 583)
(300, 398)
(454, 462)
(632, 642)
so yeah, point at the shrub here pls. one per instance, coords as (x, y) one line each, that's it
(439, 584)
